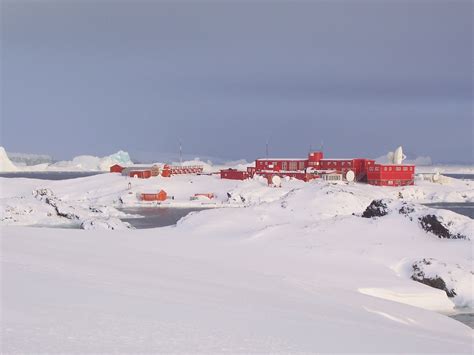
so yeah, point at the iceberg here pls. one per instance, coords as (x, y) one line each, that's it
(6, 164)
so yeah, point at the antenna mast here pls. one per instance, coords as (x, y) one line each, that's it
(180, 152)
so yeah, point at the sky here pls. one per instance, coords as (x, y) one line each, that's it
(358, 77)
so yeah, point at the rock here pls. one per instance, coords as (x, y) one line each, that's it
(433, 281)
(102, 223)
(377, 208)
(432, 224)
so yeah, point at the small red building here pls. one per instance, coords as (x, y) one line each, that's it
(233, 174)
(141, 174)
(116, 168)
(154, 196)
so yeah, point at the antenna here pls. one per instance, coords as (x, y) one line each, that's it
(310, 148)
(322, 145)
(266, 147)
(180, 152)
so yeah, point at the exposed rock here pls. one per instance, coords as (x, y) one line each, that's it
(109, 223)
(432, 224)
(377, 208)
(49, 198)
(432, 281)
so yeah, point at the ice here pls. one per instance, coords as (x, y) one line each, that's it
(79, 163)
(5, 162)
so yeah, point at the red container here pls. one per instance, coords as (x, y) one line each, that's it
(151, 196)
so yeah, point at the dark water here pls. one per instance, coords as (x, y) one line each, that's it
(51, 175)
(465, 318)
(464, 208)
(461, 176)
(153, 217)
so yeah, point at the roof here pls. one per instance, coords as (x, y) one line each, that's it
(283, 159)
(338, 159)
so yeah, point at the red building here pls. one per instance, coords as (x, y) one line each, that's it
(312, 167)
(390, 174)
(141, 174)
(342, 166)
(116, 168)
(233, 174)
(281, 165)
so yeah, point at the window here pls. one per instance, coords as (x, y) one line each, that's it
(284, 165)
(301, 165)
(384, 168)
(398, 168)
(293, 166)
(405, 168)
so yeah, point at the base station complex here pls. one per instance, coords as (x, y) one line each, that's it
(313, 167)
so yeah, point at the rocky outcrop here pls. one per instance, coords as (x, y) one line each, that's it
(49, 198)
(433, 281)
(430, 220)
(433, 224)
(377, 208)
(88, 217)
(101, 223)
(455, 280)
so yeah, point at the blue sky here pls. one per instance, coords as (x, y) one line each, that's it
(92, 77)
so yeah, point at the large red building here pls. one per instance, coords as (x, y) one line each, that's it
(390, 174)
(315, 165)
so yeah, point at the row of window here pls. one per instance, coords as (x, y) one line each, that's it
(389, 168)
(343, 163)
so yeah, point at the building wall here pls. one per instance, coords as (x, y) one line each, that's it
(232, 174)
(141, 174)
(390, 174)
(281, 164)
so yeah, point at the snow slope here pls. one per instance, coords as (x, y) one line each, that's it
(296, 269)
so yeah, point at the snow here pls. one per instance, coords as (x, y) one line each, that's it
(290, 269)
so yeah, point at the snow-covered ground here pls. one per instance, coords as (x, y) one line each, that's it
(294, 269)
